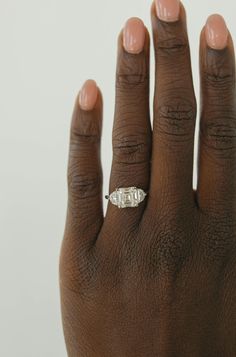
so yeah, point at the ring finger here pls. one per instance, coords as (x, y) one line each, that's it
(132, 128)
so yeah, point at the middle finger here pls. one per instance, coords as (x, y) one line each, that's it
(174, 107)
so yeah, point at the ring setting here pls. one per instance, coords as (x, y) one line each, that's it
(125, 197)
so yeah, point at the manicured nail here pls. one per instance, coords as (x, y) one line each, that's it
(216, 32)
(168, 10)
(134, 35)
(88, 95)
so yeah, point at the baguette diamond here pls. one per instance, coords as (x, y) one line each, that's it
(127, 197)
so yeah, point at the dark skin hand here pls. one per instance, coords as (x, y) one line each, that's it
(158, 279)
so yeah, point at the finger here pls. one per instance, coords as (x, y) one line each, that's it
(85, 211)
(132, 129)
(217, 154)
(174, 107)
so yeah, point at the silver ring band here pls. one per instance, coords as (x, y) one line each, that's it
(125, 197)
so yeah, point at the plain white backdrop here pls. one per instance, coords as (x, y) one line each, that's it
(47, 49)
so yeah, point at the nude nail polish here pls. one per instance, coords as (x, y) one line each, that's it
(216, 32)
(88, 95)
(168, 10)
(134, 35)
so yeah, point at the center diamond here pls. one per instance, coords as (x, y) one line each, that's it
(127, 197)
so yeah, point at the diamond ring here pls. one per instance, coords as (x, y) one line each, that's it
(125, 197)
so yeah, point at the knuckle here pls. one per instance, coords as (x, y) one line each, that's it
(172, 45)
(81, 137)
(176, 121)
(218, 239)
(219, 134)
(219, 79)
(169, 254)
(170, 243)
(85, 127)
(82, 186)
(128, 149)
(130, 79)
(132, 71)
(76, 268)
(219, 74)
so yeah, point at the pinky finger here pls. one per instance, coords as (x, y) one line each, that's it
(85, 207)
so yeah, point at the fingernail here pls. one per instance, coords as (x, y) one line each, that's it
(216, 32)
(134, 35)
(168, 10)
(88, 95)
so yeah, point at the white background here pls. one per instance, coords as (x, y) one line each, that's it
(47, 49)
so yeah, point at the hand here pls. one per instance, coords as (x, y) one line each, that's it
(158, 279)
